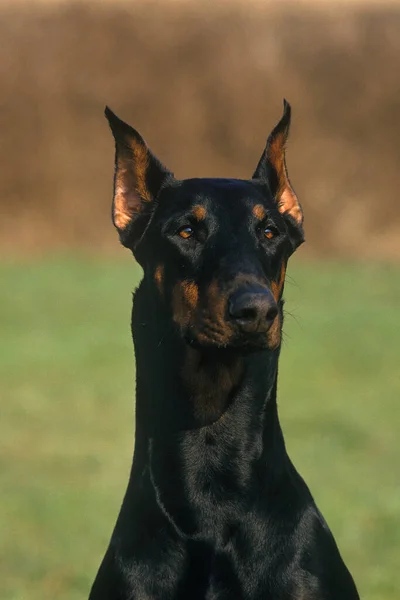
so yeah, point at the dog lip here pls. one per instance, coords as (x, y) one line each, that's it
(241, 342)
(256, 331)
(195, 343)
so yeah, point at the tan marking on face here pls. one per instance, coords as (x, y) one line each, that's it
(259, 212)
(277, 287)
(206, 315)
(199, 212)
(159, 278)
(213, 326)
(190, 293)
(185, 296)
(275, 333)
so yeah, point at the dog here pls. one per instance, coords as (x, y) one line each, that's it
(214, 508)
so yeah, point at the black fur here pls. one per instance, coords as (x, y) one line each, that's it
(214, 508)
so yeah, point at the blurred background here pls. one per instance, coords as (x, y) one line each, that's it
(203, 82)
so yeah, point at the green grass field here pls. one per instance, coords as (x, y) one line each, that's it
(67, 389)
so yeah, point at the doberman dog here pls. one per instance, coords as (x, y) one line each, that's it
(214, 508)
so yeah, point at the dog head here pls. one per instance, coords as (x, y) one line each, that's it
(213, 250)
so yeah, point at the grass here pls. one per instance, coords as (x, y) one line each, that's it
(67, 375)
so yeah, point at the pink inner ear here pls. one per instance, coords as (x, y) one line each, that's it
(127, 201)
(286, 198)
(123, 212)
(131, 191)
(130, 185)
(289, 204)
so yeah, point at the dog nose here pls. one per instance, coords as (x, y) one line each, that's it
(253, 310)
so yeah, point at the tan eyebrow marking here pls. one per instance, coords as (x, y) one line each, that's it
(259, 211)
(199, 212)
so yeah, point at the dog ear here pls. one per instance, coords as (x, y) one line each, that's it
(272, 168)
(138, 179)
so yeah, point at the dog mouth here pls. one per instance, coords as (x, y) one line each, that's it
(206, 339)
(247, 319)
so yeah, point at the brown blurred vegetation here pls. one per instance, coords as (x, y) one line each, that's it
(203, 83)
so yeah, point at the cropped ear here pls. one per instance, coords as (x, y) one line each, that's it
(272, 168)
(138, 179)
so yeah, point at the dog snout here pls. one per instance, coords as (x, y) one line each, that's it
(253, 310)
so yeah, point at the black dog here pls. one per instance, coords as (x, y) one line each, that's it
(214, 508)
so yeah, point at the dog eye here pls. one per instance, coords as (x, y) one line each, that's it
(269, 233)
(186, 232)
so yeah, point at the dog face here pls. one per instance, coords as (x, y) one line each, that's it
(213, 250)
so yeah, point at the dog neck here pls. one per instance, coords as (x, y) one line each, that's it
(200, 413)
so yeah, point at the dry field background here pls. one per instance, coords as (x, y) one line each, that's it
(203, 82)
